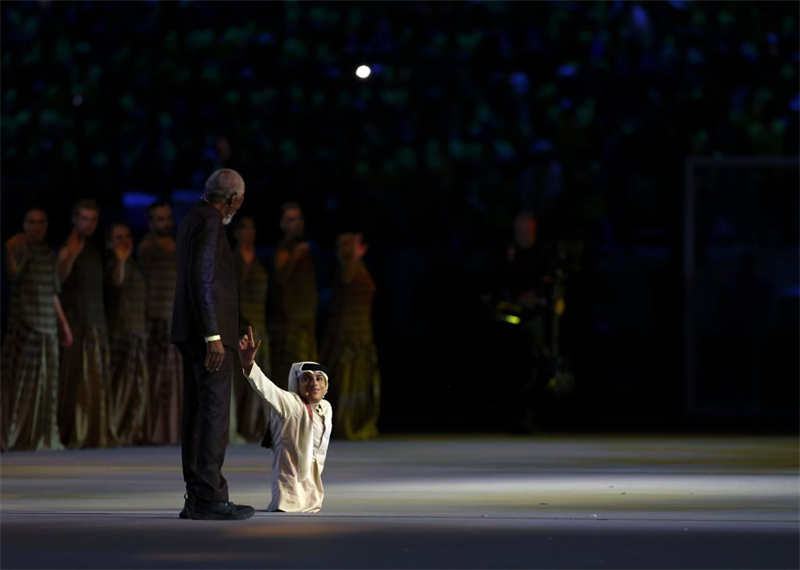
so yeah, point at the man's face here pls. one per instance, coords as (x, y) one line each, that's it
(232, 206)
(312, 387)
(292, 223)
(161, 222)
(246, 231)
(525, 231)
(121, 238)
(85, 222)
(35, 226)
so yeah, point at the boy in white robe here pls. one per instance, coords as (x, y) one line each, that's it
(300, 424)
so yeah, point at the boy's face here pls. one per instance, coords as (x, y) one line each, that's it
(312, 387)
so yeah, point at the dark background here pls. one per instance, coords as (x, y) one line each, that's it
(584, 112)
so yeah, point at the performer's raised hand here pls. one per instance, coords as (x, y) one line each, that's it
(123, 251)
(17, 244)
(75, 243)
(248, 349)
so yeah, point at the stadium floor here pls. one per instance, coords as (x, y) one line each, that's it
(423, 502)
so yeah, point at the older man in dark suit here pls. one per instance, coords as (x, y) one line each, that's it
(205, 326)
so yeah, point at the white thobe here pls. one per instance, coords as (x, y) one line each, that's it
(299, 452)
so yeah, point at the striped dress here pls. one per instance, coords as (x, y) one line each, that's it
(85, 398)
(126, 330)
(348, 350)
(30, 355)
(165, 367)
(293, 314)
(249, 414)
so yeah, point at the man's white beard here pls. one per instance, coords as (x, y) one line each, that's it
(227, 219)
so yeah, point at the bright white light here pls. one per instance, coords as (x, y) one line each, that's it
(363, 71)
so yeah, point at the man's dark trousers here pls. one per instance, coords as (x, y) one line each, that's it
(206, 417)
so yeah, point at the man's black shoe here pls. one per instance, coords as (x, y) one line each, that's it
(218, 511)
(187, 505)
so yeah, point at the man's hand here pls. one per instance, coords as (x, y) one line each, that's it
(248, 349)
(215, 355)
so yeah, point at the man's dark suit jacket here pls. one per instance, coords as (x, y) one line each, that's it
(207, 291)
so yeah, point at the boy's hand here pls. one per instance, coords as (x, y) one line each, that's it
(248, 349)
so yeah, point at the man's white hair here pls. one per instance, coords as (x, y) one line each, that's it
(222, 185)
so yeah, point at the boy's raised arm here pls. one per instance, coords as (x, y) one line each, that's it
(280, 400)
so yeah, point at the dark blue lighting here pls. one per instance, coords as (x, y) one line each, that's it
(640, 18)
(265, 38)
(185, 196)
(695, 56)
(792, 292)
(598, 49)
(568, 70)
(748, 51)
(519, 82)
(132, 200)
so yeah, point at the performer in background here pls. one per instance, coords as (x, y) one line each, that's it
(30, 349)
(125, 294)
(158, 261)
(84, 414)
(293, 307)
(348, 346)
(525, 283)
(205, 326)
(251, 411)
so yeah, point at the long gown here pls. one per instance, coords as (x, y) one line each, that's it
(127, 334)
(293, 313)
(85, 398)
(348, 349)
(30, 355)
(164, 362)
(251, 414)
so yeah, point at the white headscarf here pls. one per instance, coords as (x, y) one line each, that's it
(296, 371)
